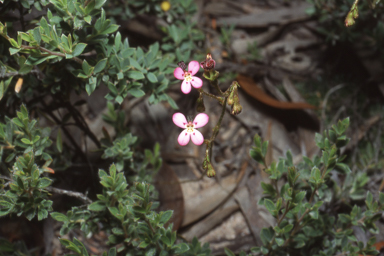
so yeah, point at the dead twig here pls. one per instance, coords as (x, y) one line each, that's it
(78, 195)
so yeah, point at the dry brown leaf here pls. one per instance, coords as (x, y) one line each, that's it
(378, 246)
(252, 89)
(18, 85)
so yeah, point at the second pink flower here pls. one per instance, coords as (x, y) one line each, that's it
(188, 76)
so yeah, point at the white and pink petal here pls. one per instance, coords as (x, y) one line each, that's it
(184, 137)
(196, 82)
(197, 137)
(200, 120)
(179, 120)
(186, 87)
(193, 67)
(179, 73)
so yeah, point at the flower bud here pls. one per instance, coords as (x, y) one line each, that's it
(349, 20)
(230, 99)
(200, 104)
(355, 13)
(236, 108)
(209, 63)
(182, 65)
(210, 171)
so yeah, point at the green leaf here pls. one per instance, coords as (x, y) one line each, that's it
(6, 204)
(268, 189)
(44, 25)
(345, 168)
(135, 64)
(181, 248)
(2, 89)
(97, 206)
(150, 252)
(14, 50)
(118, 231)
(136, 75)
(279, 241)
(143, 244)
(79, 48)
(42, 214)
(172, 103)
(287, 228)
(99, 3)
(91, 85)
(115, 212)
(319, 140)
(4, 211)
(59, 216)
(59, 142)
(165, 240)
(228, 252)
(300, 196)
(136, 92)
(139, 209)
(30, 214)
(44, 182)
(270, 207)
(13, 42)
(112, 252)
(88, 19)
(257, 155)
(119, 99)
(314, 214)
(264, 250)
(37, 60)
(289, 158)
(26, 141)
(266, 235)
(18, 122)
(117, 41)
(86, 68)
(381, 198)
(10, 157)
(112, 28)
(152, 77)
(315, 175)
(89, 8)
(71, 246)
(65, 242)
(100, 65)
(264, 148)
(166, 216)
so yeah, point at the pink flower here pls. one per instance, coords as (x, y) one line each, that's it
(190, 128)
(188, 76)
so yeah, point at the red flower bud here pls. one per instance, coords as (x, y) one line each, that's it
(209, 63)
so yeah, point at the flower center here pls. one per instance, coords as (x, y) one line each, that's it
(187, 76)
(190, 127)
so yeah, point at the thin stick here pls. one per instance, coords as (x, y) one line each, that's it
(78, 195)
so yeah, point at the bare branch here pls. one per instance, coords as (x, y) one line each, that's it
(78, 195)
